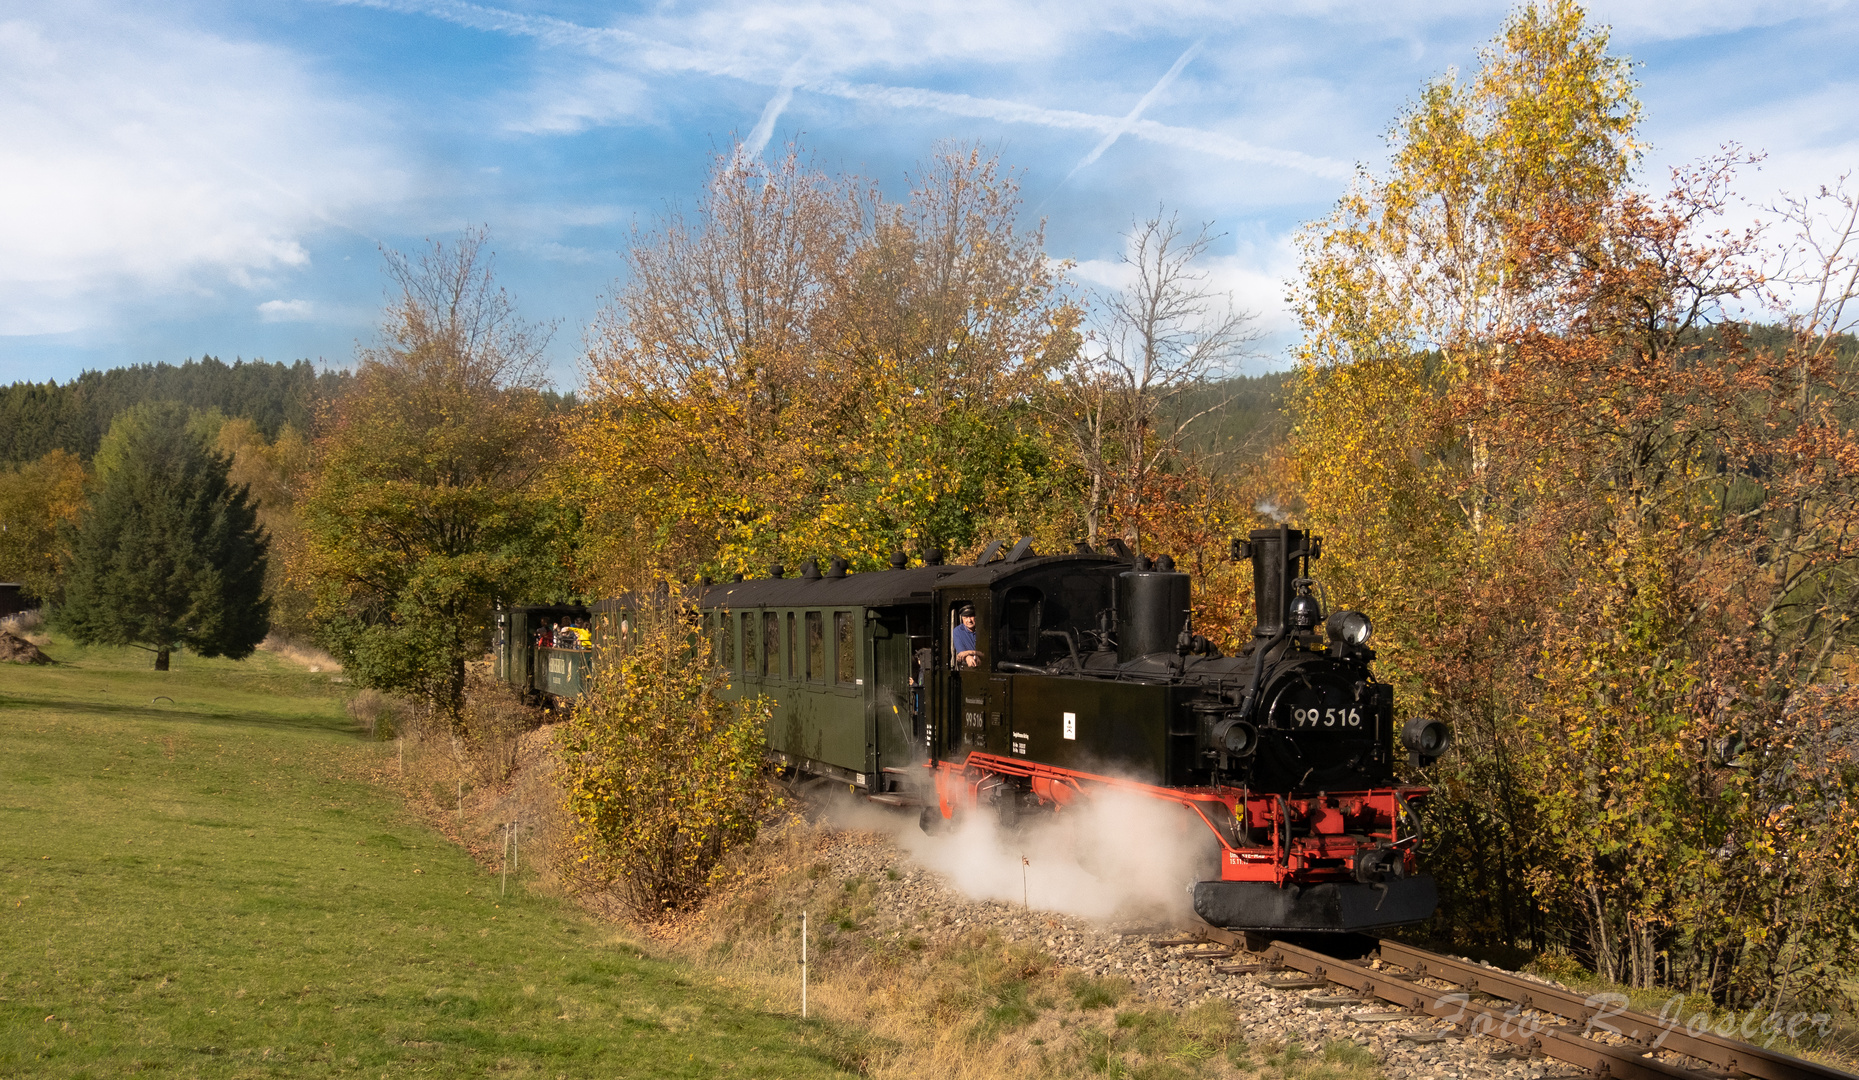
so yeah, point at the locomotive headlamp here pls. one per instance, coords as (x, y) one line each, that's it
(1236, 737)
(1351, 627)
(1428, 738)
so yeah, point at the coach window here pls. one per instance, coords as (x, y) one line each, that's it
(749, 660)
(793, 645)
(726, 640)
(771, 644)
(816, 647)
(846, 648)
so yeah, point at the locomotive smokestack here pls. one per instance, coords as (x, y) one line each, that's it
(1278, 559)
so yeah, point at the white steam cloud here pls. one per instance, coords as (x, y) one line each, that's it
(1110, 856)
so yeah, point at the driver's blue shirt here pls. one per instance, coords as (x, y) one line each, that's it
(964, 639)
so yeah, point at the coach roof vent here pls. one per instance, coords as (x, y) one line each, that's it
(899, 560)
(810, 569)
(836, 568)
(776, 570)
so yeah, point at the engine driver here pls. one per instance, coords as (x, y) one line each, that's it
(964, 639)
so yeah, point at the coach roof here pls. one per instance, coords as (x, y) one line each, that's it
(879, 588)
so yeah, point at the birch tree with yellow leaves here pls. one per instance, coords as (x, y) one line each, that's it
(1605, 524)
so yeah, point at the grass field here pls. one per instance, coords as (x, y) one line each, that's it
(198, 879)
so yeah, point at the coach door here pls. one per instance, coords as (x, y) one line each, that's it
(893, 698)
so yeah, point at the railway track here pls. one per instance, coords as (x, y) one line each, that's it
(1595, 1033)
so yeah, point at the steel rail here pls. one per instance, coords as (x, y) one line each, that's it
(1651, 1031)
(1473, 1017)
(1646, 1035)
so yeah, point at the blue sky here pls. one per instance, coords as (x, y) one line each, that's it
(188, 178)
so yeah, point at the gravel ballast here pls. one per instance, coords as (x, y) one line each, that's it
(921, 902)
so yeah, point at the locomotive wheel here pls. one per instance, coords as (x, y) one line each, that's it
(932, 822)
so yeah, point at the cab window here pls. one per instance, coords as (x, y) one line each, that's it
(1020, 622)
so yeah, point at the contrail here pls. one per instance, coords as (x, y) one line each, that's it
(1135, 114)
(765, 127)
(1207, 142)
(637, 50)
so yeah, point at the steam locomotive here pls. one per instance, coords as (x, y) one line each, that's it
(1088, 677)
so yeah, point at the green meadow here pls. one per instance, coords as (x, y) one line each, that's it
(198, 879)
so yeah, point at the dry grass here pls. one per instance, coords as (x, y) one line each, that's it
(375, 713)
(900, 1002)
(300, 653)
(495, 721)
(970, 1007)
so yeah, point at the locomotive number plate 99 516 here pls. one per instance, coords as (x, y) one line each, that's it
(1350, 717)
(1322, 707)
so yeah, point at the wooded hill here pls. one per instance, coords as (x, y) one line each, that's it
(37, 418)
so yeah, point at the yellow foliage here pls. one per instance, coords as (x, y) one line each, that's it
(661, 774)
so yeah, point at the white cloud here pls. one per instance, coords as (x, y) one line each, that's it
(1637, 20)
(146, 158)
(286, 311)
(597, 96)
(552, 251)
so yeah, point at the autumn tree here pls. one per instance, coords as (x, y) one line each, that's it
(273, 471)
(35, 500)
(168, 553)
(1408, 292)
(1682, 483)
(1120, 399)
(802, 369)
(1606, 525)
(661, 772)
(426, 504)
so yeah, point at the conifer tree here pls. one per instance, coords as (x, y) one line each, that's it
(168, 553)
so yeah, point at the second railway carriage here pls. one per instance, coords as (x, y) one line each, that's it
(541, 673)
